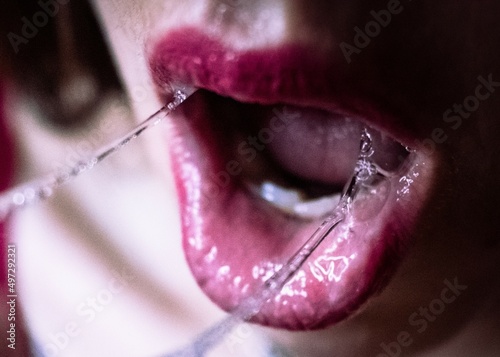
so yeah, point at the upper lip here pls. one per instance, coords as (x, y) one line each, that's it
(288, 74)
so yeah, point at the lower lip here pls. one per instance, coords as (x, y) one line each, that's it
(234, 241)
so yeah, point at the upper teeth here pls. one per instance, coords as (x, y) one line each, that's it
(293, 202)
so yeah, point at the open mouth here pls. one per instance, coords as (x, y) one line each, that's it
(260, 156)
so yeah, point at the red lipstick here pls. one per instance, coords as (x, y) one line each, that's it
(233, 240)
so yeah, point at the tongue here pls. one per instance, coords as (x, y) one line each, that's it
(323, 147)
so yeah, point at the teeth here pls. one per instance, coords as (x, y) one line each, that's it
(318, 207)
(293, 202)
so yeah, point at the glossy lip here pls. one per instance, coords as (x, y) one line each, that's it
(232, 241)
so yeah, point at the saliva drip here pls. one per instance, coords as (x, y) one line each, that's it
(364, 171)
(40, 189)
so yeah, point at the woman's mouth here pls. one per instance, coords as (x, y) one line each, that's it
(260, 155)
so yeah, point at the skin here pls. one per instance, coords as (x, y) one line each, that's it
(425, 61)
